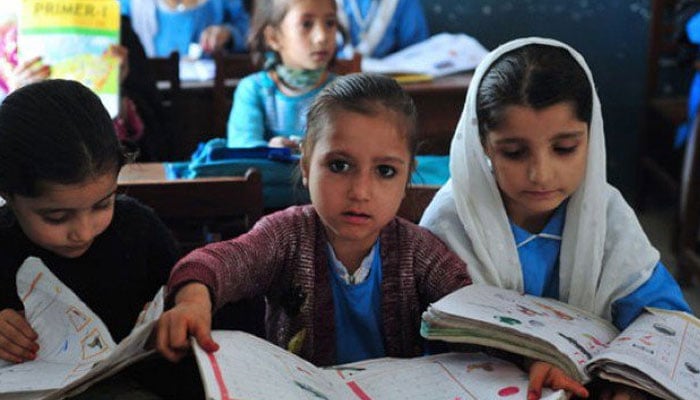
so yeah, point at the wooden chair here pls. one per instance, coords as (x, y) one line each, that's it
(659, 163)
(229, 67)
(344, 66)
(204, 209)
(688, 246)
(417, 199)
(166, 73)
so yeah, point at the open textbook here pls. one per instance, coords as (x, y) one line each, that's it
(439, 55)
(659, 352)
(76, 349)
(73, 37)
(247, 367)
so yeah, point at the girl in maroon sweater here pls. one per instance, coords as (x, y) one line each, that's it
(344, 278)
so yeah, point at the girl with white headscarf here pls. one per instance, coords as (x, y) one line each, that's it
(528, 206)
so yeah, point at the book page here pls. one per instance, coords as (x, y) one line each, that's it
(75, 345)
(464, 376)
(439, 55)
(536, 327)
(659, 346)
(247, 367)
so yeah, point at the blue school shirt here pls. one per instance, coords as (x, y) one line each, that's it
(539, 258)
(261, 111)
(407, 26)
(176, 30)
(357, 313)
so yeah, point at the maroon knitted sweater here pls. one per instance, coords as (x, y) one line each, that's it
(284, 257)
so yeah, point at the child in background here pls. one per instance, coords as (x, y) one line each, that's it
(345, 279)
(378, 28)
(296, 39)
(165, 26)
(59, 160)
(528, 206)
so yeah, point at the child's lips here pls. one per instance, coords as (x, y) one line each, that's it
(541, 194)
(356, 217)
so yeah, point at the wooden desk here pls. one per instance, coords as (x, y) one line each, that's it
(439, 104)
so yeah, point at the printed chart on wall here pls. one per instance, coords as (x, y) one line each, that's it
(74, 38)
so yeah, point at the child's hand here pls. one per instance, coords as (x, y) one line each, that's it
(17, 338)
(26, 72)
(122, 54)
(622, 392)
(543, 374)
(190, 316)
(214, 37)
(281, 141)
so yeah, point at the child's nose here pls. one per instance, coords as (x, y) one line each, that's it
(321, 33)
(81, 230)
(361, 186)
(540, 170)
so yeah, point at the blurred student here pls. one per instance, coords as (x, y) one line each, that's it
(294, 41)
(140, 120)
(380, 27)
(165, 26)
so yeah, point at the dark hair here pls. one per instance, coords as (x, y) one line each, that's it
(536, 76)
(54, 131)
(269, 13)
(364, 94)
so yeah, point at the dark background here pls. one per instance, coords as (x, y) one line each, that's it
(610, 34)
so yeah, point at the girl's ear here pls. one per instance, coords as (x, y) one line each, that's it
(271, 38)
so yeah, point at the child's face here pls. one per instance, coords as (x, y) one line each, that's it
(305, 38)
(539, 160)
(357, 175)
(65, 219)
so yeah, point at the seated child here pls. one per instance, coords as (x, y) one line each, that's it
(528, 206)
(59, 160)
(378, 28)
(344, 278)
(165, 26)
(297, 40)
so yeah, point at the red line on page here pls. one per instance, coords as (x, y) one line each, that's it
(358, 391)
(219, 379)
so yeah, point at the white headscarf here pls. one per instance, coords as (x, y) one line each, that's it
(605, 254)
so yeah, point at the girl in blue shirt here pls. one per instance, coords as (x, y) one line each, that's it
(528, 205)
(381, 27)
(165, 26)
(294, 40)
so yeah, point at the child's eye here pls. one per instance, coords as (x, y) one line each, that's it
(57, 219)
(514, 154)
(565, 150)
(339, 166)
(386, 171)
(104, 204)
(331, 23)
(307, 24)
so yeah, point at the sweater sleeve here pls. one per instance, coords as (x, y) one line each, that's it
(439, 271)
(243, 267)
(246, 123)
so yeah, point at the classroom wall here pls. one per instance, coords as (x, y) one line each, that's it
(611, 35)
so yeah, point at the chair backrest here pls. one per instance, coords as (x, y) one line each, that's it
(202, 209)
(662, 47)
(166, 71)
(417, 199)
(343, 66)
(689, 211)
(229, 69)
